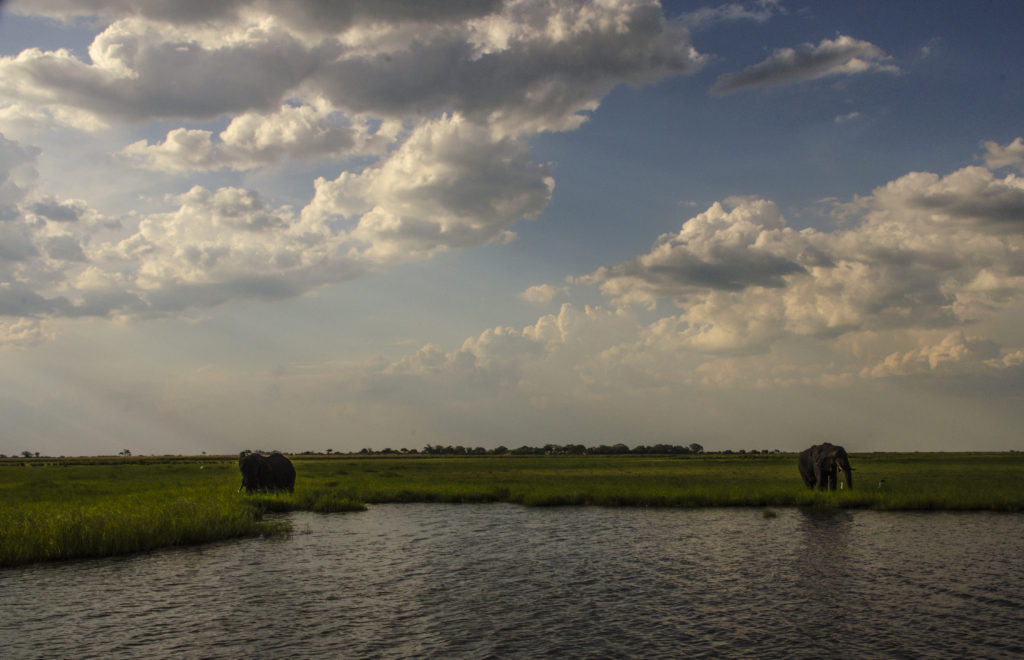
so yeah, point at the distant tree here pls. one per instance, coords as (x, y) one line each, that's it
(696, 448)
(500, 449)
(26, 454)
(330, 451)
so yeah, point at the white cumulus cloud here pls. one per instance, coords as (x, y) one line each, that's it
(929, 252)
(451, 184)
(254, 139)
(424, 109)
(998, 156)
(542, 293)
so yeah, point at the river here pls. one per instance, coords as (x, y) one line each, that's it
(505, 581)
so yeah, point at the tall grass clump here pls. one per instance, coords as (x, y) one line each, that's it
(68, 512)
(320, 500)
(49, 531)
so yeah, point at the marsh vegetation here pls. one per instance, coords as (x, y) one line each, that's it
(61, 509)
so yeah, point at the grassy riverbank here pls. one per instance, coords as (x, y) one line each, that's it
(882, 481)
(68, 508)
(85, 508)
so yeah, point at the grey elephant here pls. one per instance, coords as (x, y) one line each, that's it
(820, 464)
(266, 473)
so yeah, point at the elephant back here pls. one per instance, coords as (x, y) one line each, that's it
(282, 472)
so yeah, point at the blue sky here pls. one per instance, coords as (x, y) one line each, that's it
(335, 225)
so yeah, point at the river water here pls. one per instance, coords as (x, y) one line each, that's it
(504, 581)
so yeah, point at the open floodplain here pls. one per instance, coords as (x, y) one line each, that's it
(484, 557)
(54, 509)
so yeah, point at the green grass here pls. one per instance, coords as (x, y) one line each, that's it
(50, 512)
(911, 481)
(73, 508)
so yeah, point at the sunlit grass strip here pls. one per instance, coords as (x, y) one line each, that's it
(51, 531)
(84, 508)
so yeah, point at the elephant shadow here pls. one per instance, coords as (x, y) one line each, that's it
(824, 561)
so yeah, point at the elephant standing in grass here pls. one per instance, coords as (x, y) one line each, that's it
(266, 473)
(820, 464)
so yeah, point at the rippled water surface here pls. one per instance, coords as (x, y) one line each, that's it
(503, 581)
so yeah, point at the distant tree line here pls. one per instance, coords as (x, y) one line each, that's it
(554, 450)
(525, 450)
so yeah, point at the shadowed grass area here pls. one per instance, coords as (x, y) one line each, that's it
(98, 507)
(882, 481)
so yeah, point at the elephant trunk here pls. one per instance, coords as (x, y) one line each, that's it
(847, 472)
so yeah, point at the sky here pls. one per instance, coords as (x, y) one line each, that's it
(307, 225)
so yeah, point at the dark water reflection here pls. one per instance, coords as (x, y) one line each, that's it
(502, 581)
